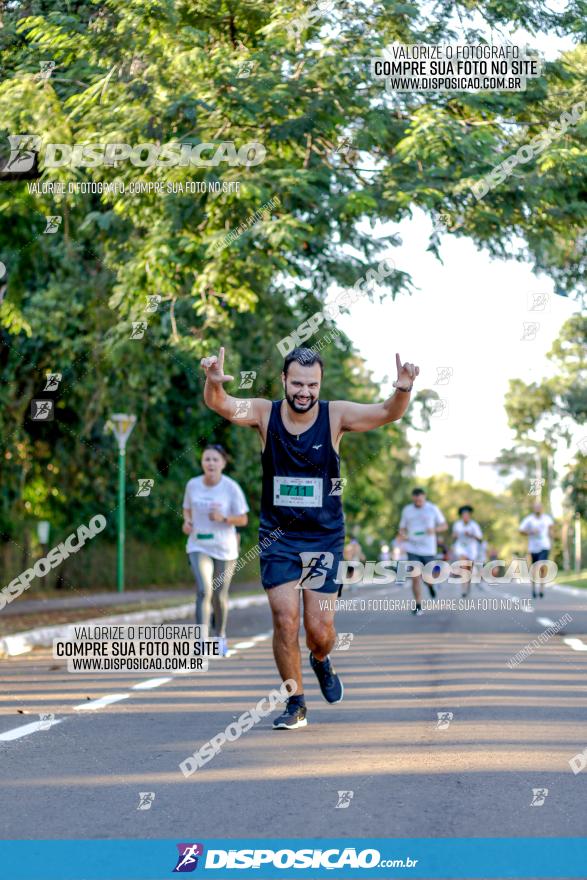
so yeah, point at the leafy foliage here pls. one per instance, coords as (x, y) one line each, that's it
(155, 72)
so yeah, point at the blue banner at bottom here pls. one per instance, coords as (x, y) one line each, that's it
(417, 858)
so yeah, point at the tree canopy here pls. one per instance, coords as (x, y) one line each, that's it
(336, 158)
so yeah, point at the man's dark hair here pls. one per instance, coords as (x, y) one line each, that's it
(466, 508)
(305, 357)
(418, 491)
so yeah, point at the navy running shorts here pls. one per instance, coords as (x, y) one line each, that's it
(423, 560)
(311, 561)
(541, 556)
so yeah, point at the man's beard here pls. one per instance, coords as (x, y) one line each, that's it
(297, 408)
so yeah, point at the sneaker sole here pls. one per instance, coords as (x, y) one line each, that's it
(302, 723)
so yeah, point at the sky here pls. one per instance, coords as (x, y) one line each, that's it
(466, 318)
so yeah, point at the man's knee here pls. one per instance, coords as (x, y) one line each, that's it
(320, 634)
(286, 625)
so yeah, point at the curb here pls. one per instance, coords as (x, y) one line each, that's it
(42, 637)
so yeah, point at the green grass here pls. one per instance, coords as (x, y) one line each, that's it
(573, 579)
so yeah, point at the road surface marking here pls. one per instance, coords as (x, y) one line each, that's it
(101, 702)
(150, 683)
(545, 621)
(25, 729)
(16, 644)
(575, 644)
(571, 591)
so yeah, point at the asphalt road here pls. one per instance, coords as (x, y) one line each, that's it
(411, 774)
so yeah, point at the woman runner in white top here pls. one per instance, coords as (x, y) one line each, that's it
(213, 505)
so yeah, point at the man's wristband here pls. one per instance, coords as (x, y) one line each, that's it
(406, 390)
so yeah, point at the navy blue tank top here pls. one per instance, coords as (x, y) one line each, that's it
(301, 479)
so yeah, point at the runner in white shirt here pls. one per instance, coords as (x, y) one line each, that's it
(352, 553)
(468, 537)
(212, 506)
(539, 528)
(420, 522)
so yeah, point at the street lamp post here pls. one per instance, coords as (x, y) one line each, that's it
(121, 425)
(577, 542)
(461, 456)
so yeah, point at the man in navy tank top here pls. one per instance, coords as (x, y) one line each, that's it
(301, 523)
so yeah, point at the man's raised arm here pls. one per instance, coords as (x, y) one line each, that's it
(366, 416)
(247, 411)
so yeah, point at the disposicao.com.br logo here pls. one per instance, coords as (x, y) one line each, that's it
(327, 859)
(25, 147)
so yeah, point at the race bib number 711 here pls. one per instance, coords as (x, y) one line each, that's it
(297, 492)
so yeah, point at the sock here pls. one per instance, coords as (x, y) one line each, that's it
(321, 662)
(418, 606)
(297, 700)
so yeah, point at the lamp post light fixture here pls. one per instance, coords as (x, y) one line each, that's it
(121, 426)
